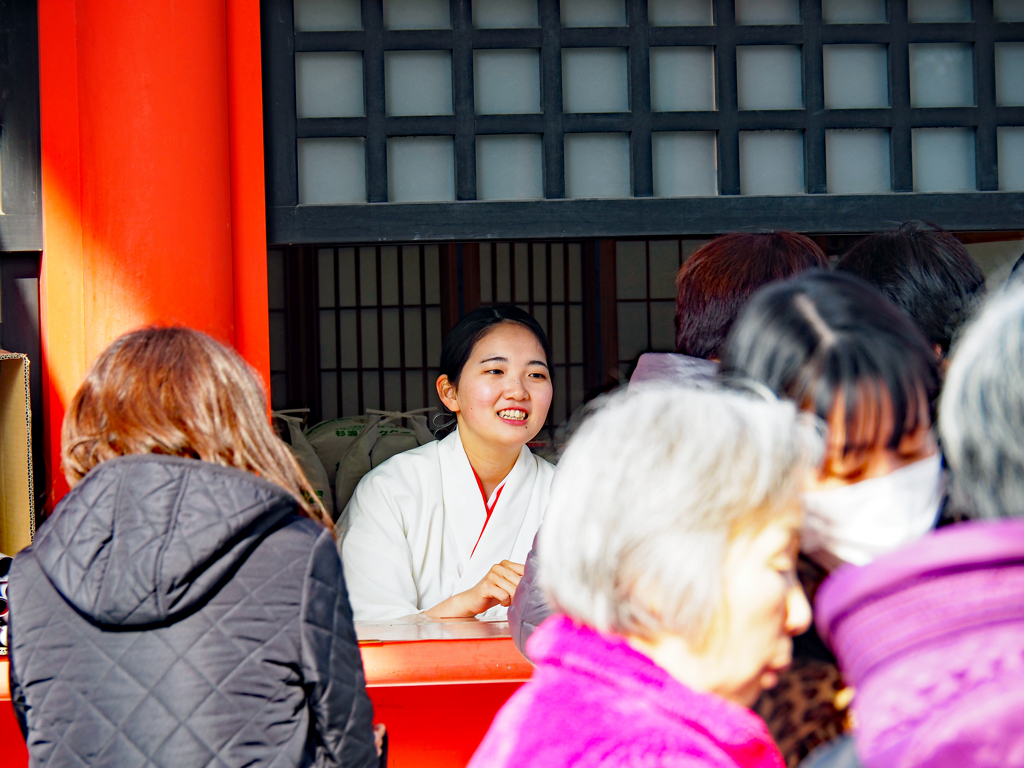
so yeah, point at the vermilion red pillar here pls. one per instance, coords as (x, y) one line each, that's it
(153, 194)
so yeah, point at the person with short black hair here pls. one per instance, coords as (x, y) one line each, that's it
(926, 272)
(444, 529)
(932, 636)
(837, 348)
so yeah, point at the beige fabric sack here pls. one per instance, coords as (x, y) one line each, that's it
(308, 459)
(383, 436)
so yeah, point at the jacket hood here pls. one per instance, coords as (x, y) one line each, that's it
(142, 539)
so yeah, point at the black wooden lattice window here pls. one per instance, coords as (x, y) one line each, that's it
(950, 117)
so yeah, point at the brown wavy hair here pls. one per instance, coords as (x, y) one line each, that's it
(178, 392)
(718, 279)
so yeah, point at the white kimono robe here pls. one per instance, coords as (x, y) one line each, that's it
(414, 520)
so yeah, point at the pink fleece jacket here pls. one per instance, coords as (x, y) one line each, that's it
(594, 701)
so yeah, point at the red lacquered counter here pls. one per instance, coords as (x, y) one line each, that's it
(12, 746)
(435, 684)
(438, 684)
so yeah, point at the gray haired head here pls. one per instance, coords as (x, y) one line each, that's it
(652, 489)
(981, 415)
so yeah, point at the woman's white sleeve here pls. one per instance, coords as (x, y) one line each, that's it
(375, 554)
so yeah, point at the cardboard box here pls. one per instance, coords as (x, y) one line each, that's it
(17, 496)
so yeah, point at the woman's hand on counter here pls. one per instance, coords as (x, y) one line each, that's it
(496, 588)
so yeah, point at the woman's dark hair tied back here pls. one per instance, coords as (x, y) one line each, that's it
(458, 346)
(823, 338)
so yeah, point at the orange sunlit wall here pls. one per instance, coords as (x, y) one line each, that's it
(153, 192)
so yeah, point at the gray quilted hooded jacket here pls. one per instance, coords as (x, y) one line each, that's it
(172, 612)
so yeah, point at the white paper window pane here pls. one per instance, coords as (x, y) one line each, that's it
(682, 79)
(347, 330)
(325, 276)
(685, 163)
(418, 82)
(771, 162)
(368, 320)
(393, 390)
(391, 320)
(853, 11)
(679, 13)
(631, 269)
(432, 279)
(421, 168)
(597, 165)
(413, 337)
(371, 385)
(505, 14)
(943, 159)
(389, 276)
(857, 162)
(328, 328)
(349, 401)
(367, 276)
(331, 171)
(941, 75)
(923, 11)
(540, 288)
(767, 11)
(595, 80)
(506, 82)
(416, 14)
(663, 256)
(1009, 10)
(1010, 146)
(856, 76)
(593, 13)
(509, 168)
(414, 390)
(327, 15)
(346, 277)
(769, 77)
(663, 332)
(329, 84)
(1010, 74)
(329, 395)
(632, 329)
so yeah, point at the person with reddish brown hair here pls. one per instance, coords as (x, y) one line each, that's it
(717, 280)
(712, 287)
(184, 604)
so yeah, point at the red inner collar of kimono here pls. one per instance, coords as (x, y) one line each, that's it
(489, 509)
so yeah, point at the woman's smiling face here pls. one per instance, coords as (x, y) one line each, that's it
(504, 389)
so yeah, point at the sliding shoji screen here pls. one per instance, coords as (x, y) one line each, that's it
(379, 328)
(645, 296)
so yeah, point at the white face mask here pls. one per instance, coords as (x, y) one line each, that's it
(857, 523)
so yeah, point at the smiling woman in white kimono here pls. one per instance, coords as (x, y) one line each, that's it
(443, 529)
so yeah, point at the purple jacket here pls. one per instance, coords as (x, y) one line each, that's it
(594, 701)
(932, 639)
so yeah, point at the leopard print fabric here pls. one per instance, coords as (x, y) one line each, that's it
(808, 706)
(801, 710)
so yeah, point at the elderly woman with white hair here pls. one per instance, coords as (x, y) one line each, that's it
(669, 550)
